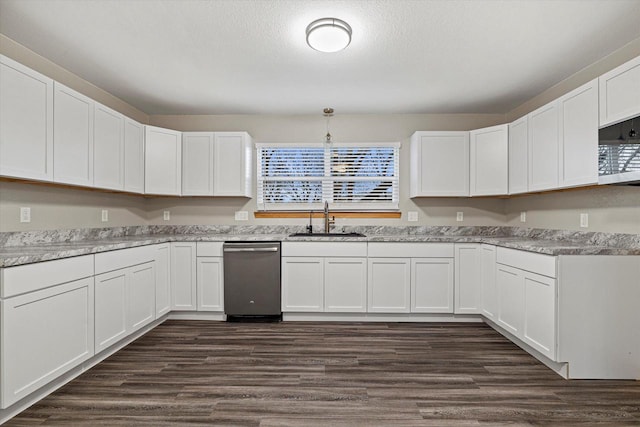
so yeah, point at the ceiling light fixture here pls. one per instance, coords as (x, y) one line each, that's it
(328, 35)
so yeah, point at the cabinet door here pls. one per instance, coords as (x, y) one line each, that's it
(44, 334)
(210, 284)
(518, 147)
(578, 157)
(488, 284)
(389, 289)
(620, 93)
(232, 164)
(162, 161)
(302, 284)
(467, 278)
(72, 137)
(540, 313)
(432, 285)
(439, 164)
(510, 286)
(489, 161)
(108, 148)
(110, 308)
(345, 285)
(26, 122)
(543, 148)
(183, 276)
(133, 156)
(163, 279)
(197, 164)
(141, 296)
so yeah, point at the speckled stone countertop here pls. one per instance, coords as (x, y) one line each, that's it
(19, 248)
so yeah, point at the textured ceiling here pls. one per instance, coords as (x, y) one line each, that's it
(250, 57)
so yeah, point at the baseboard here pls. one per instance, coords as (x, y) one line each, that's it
(379, 317)
(197, 315)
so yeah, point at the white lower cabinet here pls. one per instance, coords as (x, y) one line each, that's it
(432, 285)
(468, 298)
(345, 285)
(488, 287)
(110, 308)
(302, 284)
(124, 302)
(389, 285)
(163, 278)
(183, 276)
(539, 329)
(209, 284)
(527, 298)
(324, 277)
(44, 334)
(510, 287)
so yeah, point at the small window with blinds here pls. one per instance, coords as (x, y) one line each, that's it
(348, 176)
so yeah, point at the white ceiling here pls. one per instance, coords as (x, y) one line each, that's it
(250, 56)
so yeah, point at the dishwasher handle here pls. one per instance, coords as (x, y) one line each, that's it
(264, 249)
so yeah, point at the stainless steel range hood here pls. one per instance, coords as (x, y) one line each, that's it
(619, 153)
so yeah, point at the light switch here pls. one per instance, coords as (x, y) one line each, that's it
(584, 220)
(412, 216)
(460, 216)
(105, 215)
(25, 214)
(523, 217)
(166, 215)
(242, 216)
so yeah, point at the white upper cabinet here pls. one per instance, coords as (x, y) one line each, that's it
(72, 137)
(197, 163)
(163, 159)
(518, 146)
(26, 122)
(232, 164)
(133, 156)
(578, 124)
(108, 148)
(489, 161)
(620, 93)
(543, 148)
(216, 164)
(439, 164)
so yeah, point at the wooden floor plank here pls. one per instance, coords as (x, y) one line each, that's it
(337, 374)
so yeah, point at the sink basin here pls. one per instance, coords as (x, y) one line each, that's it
(327, 235)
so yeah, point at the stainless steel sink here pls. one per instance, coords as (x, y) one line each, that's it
(327, 235)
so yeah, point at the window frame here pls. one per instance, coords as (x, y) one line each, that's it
(327, 180)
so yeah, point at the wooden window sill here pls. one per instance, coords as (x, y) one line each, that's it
(336, 214)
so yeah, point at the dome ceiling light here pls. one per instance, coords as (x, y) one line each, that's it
(328, 35)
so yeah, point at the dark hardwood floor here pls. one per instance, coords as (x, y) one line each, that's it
(330, 374)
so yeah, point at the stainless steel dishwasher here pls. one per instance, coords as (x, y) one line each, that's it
(252, 280)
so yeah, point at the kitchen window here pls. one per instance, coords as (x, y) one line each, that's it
(350, 176)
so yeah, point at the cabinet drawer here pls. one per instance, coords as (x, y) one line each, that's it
(324, 249)
(115, 260)
(209, 248)
(528, 261)
(410, 250)
(32, 277)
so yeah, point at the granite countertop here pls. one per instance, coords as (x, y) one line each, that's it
(37, 252)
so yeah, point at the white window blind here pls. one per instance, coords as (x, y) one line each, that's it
(348, 176)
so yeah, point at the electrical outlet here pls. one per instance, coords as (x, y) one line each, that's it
(523, 217)
(242, 216)
(412, 216)
(166, 215)
(105, 215)
(25, 214)
(460, 216)
(584, 220)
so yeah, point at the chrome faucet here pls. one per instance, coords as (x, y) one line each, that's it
(328, 222)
